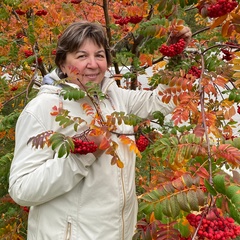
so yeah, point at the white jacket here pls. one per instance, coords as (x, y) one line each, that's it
(77, 197)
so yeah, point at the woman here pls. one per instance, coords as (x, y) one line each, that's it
(79, 196)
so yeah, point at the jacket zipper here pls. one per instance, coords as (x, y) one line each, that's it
(124, 202)
(68, 234)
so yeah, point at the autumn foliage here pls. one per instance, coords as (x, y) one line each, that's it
(188, 163)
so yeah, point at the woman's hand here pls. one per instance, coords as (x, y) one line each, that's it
(185, 33)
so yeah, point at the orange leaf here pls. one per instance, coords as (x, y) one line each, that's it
(225, 29)
(220, 81)
(87, 108)
(104, 144)
(120, 163)
(145, 59)
(218, 21)
(199, 131)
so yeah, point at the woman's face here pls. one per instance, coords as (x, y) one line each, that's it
(89, 61)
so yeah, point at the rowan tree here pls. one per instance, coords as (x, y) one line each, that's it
(187, 164)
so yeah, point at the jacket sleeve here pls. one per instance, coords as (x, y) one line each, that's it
(38, 175)
(143, 102)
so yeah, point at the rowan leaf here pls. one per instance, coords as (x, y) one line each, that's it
(209, 187)
(218, 21)
(219, 183)
(166, 209)
(158, 211)
(187, 180)
(178, 184)
(234, 211)
(201, 197)
(183, 201)
(174, 205)
(193, 200)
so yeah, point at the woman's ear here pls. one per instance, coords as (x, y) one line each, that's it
(63, 68)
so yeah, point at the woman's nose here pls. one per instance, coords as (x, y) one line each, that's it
(92, 62)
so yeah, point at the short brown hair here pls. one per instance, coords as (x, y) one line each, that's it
(74, 36)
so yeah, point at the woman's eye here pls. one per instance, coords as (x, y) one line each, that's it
(80, 56)
(100, 56)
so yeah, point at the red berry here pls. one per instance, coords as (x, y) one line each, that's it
(28, 53)
(142, 142)
(75, 1)
(20, 12)
(41, 13)
(173, 49)
(84, 147)
(238, 109)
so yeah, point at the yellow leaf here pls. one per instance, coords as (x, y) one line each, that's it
(235, 18)
(236, 75)
(236, 60)
(218, 21)
(225, 29)
(152, 217)
(237, 83)
(236, 67)
(215, 131)
(159, 65)
(120, 163)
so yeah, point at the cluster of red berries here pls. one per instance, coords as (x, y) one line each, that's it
(76, 1)
(226, 55)
(125, 20)
(14, 88)
(38, 13)
(41, 13)
(84, 147)
(20, 35)
(238, 109)
(142, 142)
(29, 53)
(195, 71)
(173, 49)
(20, 12)
(221, 8)
(215, 228)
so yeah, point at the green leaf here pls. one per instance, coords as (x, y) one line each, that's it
(56, 143)
(154, 195)
(158, 211)
(175, 208)
(145, 208)
(183, 202)
(165, 141)
(63, 150)
(236, 200)
(232, 96)
(210, 188)
(147, 197)
(169, 188)
(162, 5)
(187, 179)
(201, 197)
(172, 155)
(219, 183)
(165, 152)
(166, 208)
(234, 211)
(182, 3)
(192, 200)
(232, 190)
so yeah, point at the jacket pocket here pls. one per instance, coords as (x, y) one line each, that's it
(69, 229)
